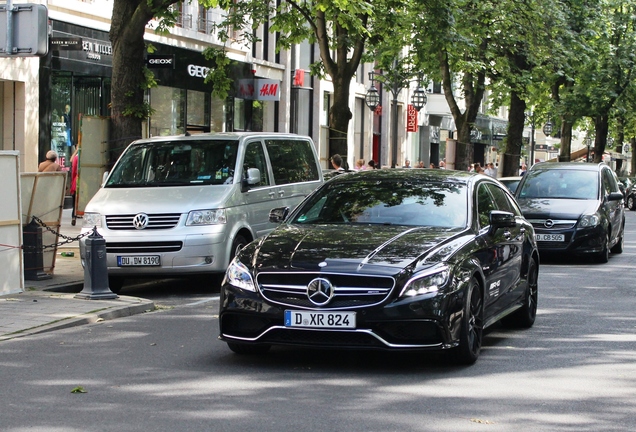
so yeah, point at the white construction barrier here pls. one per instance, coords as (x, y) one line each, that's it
(12, 274)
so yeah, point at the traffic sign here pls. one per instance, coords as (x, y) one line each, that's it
(25, 33)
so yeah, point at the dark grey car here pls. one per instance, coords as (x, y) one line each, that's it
(576, 208)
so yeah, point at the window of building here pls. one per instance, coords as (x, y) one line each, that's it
(169, 111)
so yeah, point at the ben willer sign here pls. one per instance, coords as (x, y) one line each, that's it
(160, 61)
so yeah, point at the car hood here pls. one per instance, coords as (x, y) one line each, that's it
(350, 248)
(544, 208)
(176, 199)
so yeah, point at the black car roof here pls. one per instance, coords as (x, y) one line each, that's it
(420, 174)
(581, 166)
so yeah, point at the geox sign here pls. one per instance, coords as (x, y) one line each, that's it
(160, 61)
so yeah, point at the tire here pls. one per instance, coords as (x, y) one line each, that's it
(603, 256)
(115, 283)
(631, 202)
(526, 315)
(245, 349)
(618, 247)
(238, 244)
(471, 334)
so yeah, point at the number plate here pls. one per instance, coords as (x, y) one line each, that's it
(550, 237)
(320, 319)
(138, 261)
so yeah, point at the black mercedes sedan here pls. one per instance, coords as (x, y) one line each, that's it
(576, 208)
(396, 259)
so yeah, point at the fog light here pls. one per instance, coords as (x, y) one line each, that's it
(209, 259)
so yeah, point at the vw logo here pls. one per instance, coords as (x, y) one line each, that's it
(140, 221)
(549, 223)
(319, 291)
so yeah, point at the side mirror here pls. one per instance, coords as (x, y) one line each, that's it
(501, 219)
(615, 196)
(278, 215)
(251, 177)
(622, 188)
(104, 177)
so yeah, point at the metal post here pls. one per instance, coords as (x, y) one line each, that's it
(531, 142)
(9, 46)
(95, 269)
(394, 125)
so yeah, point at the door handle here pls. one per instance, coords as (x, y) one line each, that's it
(507, 235)
(281, 193)
(271, 195)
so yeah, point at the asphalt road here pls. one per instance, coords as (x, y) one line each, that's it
(575, 370)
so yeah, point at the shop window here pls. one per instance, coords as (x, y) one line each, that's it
(169, 111)
(198, 111)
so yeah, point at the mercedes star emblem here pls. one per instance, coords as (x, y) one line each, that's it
(320, 291)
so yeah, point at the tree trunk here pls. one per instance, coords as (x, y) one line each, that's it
(601, 126)
(339, 116)
(129, 21)
(633, 143)
(566, 140)
(516, 121)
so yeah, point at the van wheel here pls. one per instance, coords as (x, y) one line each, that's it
(238, 244)
(115, 283)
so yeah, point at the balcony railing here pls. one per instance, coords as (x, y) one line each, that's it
(184, 20)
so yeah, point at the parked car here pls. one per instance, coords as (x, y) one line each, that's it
(511, 182)
(628, 192)
(575, 208)
(184, 205)
(398, 259)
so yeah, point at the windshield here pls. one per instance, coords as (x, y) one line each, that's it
(560, 184)
(387, 202)
(176, 163)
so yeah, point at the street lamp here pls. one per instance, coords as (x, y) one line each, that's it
(372, 99)
(395, 81)
(588, 144)
(547, 128)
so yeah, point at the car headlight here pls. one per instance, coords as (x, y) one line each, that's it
(239, 276)
(206, 217)
(589, 221)
(90, 220)
(431, 280)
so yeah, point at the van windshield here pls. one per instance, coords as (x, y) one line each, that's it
(176, 163)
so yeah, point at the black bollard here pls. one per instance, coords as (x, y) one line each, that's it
(95, 269)
(33, 252)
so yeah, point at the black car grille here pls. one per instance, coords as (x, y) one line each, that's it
(322, 338)
(556, 224)
(143, 247)
(155, 221)
(350, 291)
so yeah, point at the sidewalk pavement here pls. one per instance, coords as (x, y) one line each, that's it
(50, 304)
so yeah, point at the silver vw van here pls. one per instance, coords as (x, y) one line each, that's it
(183, 205)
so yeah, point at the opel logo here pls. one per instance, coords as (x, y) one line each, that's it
(319, 291)
(140, 221)
(549, 223)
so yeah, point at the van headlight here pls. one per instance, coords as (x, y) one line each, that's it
(428, 281)
(206, 217)
(589, 221)
(239, 276)
(90, 220)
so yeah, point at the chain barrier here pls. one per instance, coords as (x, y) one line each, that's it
(66, 240)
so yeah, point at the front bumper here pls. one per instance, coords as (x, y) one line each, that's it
(421, 323)
(577, 241)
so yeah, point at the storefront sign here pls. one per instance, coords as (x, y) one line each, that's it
(259, 89)
(411, 119)
(198, 71)
(66, 43)
(160, 61)
(95, 50)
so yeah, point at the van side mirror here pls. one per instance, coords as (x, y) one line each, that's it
(252, 177)
(104, 177)
(278, 215)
